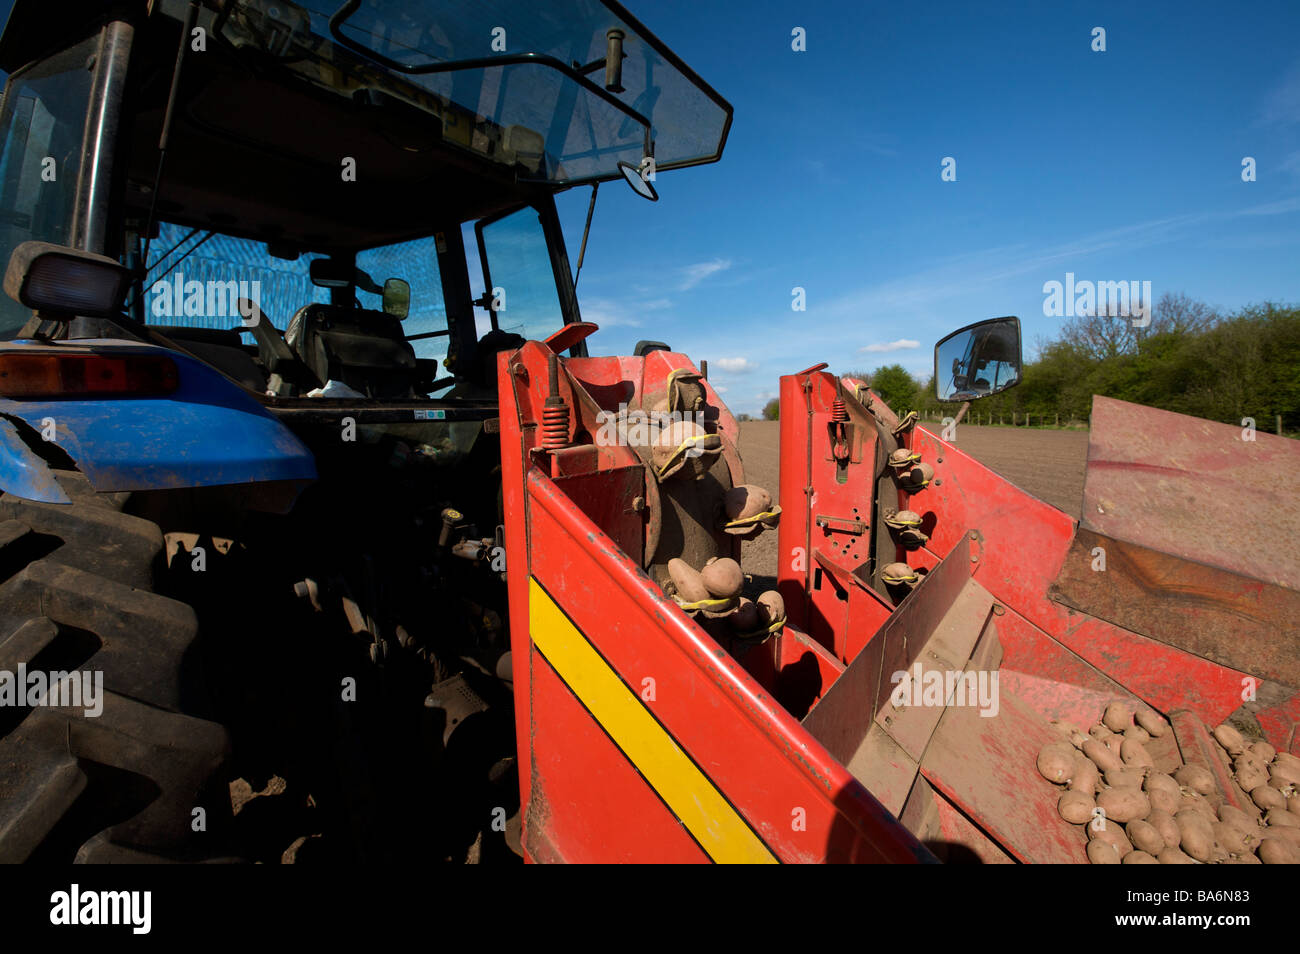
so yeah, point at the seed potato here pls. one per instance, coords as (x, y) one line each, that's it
(1135, 753)
(1195, 777)
(1124, 804)
(1124, 778)
(1101, 756)
(1251, 775)
(1159, 780)
(1234, 839)
(723, 577)
(1151, 722)
(1262, 751)
(1117, 717)
(1056, 762)
(1063, 728)
(1086, 777)
(1112, 832)
(1145, 837)
(1230, 739)
(1281, 818)
(1278, 851)
(1102, 853)
(1164, 823)
(1138, 858)
(1286, 771)
(1076, 807)
(1162, 800)
(1266, 797)
(1235, 816)
(1288, 789)
(1286, 834)
(1196, 834)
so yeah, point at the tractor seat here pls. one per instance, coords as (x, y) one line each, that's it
(219, 347)
(365, 350)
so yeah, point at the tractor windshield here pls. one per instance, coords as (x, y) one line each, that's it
(196, 278)
(523, 84)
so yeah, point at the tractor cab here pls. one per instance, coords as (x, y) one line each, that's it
(263, 258)
(272, 152)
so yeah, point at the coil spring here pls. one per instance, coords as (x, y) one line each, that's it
(555, 427)
(839, 413)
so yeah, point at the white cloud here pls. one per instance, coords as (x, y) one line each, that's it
(902, 344)
(1280, 207)
(736, 365)
(1282, 103)
(720, 388)
(613, 313)
(694, 274)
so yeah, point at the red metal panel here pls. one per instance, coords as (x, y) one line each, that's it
(1063, 662)
(1195, 489)
(946, 831)
(586, 791)
(1234, 620)
(1281, 723)
(1053, 681)
(986, 767)
(1025, 542)
(1166, 678)
(802, 803)
(609, 498)
(956, 829)
(796, 669)
(842, 720)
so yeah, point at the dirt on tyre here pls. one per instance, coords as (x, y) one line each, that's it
(142, 778)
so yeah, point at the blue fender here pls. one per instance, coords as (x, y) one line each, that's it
(207, 432)
(22, 472)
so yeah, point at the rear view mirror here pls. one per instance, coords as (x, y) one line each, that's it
(978, 360)
(639, 183)
(397, 298)
(332, 273)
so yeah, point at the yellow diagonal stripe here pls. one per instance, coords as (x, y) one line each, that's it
(690, 795)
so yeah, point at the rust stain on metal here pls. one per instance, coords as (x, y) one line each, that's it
(1226, 617)
(1194, 489)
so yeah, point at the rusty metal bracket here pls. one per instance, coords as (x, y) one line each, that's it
(840, 524)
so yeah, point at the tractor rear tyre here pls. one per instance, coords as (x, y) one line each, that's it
(141, 779)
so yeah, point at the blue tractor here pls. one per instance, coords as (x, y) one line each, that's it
(262, 257)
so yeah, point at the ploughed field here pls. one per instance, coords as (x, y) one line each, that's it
(1047, 463)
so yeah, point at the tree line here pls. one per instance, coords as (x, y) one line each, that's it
(1190, 358)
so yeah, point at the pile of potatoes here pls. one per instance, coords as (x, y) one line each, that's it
(1135, 814)
(716, 589)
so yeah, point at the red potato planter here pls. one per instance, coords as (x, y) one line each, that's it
(856, 729)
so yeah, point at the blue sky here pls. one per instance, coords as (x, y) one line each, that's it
(1122, 165)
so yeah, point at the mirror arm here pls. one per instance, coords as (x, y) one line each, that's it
(591, 207)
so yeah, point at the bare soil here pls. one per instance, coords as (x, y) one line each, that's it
(1047, 463)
